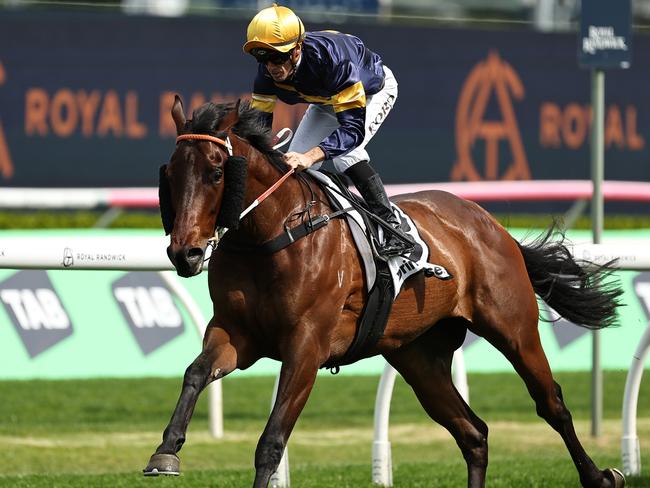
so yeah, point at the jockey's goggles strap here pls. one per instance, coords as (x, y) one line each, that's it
(205, 137)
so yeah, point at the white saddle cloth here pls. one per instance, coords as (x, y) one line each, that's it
(400, 267)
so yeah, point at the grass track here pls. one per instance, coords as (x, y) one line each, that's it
(98, 433)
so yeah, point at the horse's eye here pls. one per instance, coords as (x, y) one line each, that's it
(217, 174)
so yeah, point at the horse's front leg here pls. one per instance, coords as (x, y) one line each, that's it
(220, 355)
(297, 378)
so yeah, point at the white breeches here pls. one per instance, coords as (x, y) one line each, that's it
(320, 121)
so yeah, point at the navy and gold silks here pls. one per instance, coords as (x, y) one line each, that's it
(335, 69)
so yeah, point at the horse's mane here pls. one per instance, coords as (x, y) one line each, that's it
(250, 126)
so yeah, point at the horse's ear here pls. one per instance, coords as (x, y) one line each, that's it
(231, 118)
(178, 114)
(164, 196)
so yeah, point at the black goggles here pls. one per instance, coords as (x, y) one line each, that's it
(264, 56)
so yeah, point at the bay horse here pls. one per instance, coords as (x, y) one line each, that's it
(301, 305)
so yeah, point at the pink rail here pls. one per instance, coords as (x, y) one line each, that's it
(486, 191)
(482, 191)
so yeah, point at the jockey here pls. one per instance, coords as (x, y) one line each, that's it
(349, 91)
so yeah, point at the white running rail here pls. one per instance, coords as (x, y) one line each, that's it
(631, 256)
(132, 253)
(148, 253)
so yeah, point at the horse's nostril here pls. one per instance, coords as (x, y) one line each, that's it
(194, 254)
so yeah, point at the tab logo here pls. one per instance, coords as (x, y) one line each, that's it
(491, 82)
(149, 309)
(35, 310)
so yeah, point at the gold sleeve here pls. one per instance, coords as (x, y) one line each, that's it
(264, 103)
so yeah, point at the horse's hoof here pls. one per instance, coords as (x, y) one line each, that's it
(167, 464)
(615, 477)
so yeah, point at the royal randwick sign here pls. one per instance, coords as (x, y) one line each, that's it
(605, 34)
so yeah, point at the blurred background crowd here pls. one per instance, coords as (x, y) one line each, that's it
(544, 15)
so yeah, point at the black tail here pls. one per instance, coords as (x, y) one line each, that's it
(581, 293)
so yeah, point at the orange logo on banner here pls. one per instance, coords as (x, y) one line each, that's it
(491, 77)
(6, 166)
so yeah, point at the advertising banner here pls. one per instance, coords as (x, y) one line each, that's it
(85, 99)
(84, 324)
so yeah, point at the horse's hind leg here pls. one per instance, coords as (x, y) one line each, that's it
(218, 358)
(524, 350)
(425, 364)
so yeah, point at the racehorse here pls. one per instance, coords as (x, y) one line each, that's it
(300, 305)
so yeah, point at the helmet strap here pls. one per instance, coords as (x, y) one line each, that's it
(294, 66)
(298, 44)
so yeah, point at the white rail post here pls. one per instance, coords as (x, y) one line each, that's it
(630, 449)
(459, 374)
(215, 392)
(382, 464)
(281, 478)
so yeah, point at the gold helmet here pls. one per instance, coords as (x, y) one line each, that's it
(276, 28)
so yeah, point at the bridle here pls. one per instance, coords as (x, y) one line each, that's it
(225, 143)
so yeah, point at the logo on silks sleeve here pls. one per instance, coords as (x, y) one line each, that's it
(35, 310)
(149, 309)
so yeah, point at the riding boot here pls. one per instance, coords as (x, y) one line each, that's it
(372, 190)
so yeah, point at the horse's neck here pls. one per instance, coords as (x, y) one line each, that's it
(267, 220)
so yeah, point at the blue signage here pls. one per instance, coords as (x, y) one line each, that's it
(85, 99)
(605, 34)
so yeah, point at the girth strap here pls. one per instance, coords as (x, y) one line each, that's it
(372, 322)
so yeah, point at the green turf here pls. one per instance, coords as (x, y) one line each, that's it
(125, 405)
(101, 432)
(150, 219)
